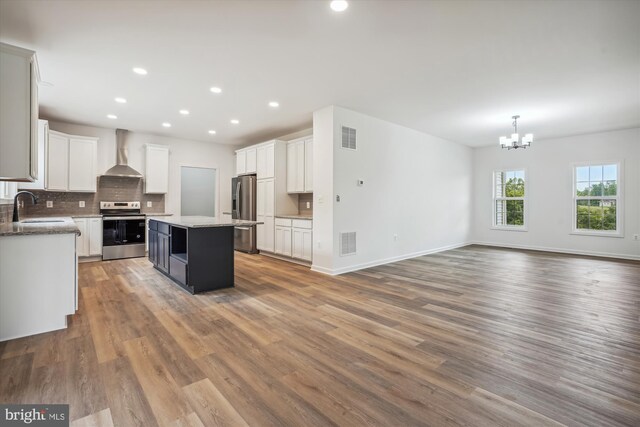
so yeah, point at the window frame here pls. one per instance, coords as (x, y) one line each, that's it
(525, 215)
(619, 198)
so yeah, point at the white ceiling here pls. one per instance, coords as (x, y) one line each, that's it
(455, 69)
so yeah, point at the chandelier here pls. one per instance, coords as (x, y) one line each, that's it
(514, 141)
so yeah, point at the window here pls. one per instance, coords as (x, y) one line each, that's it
(509, 200)
(596, 204)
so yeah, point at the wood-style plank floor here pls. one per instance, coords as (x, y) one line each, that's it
(476, 336)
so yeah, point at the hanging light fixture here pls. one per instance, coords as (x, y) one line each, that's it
(514, 141)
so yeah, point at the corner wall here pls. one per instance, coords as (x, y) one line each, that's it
(416, 186)
(549, 165)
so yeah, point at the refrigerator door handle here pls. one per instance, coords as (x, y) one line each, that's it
(238, 211)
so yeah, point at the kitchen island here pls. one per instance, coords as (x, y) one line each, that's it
(38, 276)
(196, 252)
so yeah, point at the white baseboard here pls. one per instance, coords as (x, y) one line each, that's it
(356, 267)
(558, 250)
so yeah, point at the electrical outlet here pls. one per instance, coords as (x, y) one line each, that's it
(636, 237)
(395, 237)
(21, 204)
(49, 203)
(308, 205)
(81, 204)
(149, 204)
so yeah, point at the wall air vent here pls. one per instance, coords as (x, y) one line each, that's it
(348, 138)
(348, 243)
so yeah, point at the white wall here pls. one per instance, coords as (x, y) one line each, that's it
(182, 153)
(550, 185)
(415, 185)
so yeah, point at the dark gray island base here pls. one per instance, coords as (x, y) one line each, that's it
(195, 252)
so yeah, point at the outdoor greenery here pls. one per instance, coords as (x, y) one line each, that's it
(514, 187)
(600, 213)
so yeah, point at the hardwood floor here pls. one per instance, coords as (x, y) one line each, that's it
(476, 336)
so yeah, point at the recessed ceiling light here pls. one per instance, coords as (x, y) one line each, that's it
(212, 132)
(112, 116)
(140, 71)
(234, 121)
(167, 125)
(184, 112)
(339, 5)
(274, 104)
(121, 100)
(215, 89)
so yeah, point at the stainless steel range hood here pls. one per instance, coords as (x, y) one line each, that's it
(122, 168)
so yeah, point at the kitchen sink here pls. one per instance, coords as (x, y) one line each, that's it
(40, 220)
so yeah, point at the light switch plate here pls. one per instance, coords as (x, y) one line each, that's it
(81, 203)
(149, 204)
(308, 205)
(49, 203)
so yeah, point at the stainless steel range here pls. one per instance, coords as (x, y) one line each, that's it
(123, 230)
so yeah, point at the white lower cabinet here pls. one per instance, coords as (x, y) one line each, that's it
(265, 209)
(293, 238)
(89, 243)
(283, 241)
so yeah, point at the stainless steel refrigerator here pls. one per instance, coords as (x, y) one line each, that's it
(243, 205)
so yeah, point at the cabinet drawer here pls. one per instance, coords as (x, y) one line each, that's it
(283, 222)
(302, 223)
(163, 228)
(178, 270)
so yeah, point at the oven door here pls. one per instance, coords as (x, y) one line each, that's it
(123, 237)
(123, 230)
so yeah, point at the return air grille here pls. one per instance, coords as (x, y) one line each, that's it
(348, 138)
(347, 243)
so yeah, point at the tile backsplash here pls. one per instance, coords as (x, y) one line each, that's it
(109, 189)
(302, 204)
(6, 212)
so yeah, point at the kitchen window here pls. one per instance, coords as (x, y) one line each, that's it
(509, 200)
(597, 206)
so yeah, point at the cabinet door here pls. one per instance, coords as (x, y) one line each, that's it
(95, 236)
(270, 198)
(82, 165)
(271, 161)
(8, 190)
(260, 206)
(300, 160)
(292, 168)
(296, 244)
(241, 162)
(251, 160)
(163, 252)
(57, 165)
(308, 166)
(82, 241)
(279, 240)
(43, 136)
(307, 244)
(153, 246)
(269, 234)
(287, 242)
(156, 177)
(261, 162)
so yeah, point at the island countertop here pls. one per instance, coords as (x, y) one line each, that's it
(49, 225)
(203, 221)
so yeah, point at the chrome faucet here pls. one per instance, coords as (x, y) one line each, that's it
(15, 203)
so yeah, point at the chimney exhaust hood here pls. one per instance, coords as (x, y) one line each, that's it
(122, 168)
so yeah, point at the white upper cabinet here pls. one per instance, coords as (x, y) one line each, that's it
(57, 164)
(71, 163)
(251, 160)
(156, 179)
(246, 161)
(43, 136)
(8, 190)
(18, 114)
(241, 162)
(308, 166)
(83, 164)
(299, 155)
(265, 161)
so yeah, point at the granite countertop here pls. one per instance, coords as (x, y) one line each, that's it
(157, 214)
(295, 216)
(87, 216)
(203, 221)
(63, 225)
